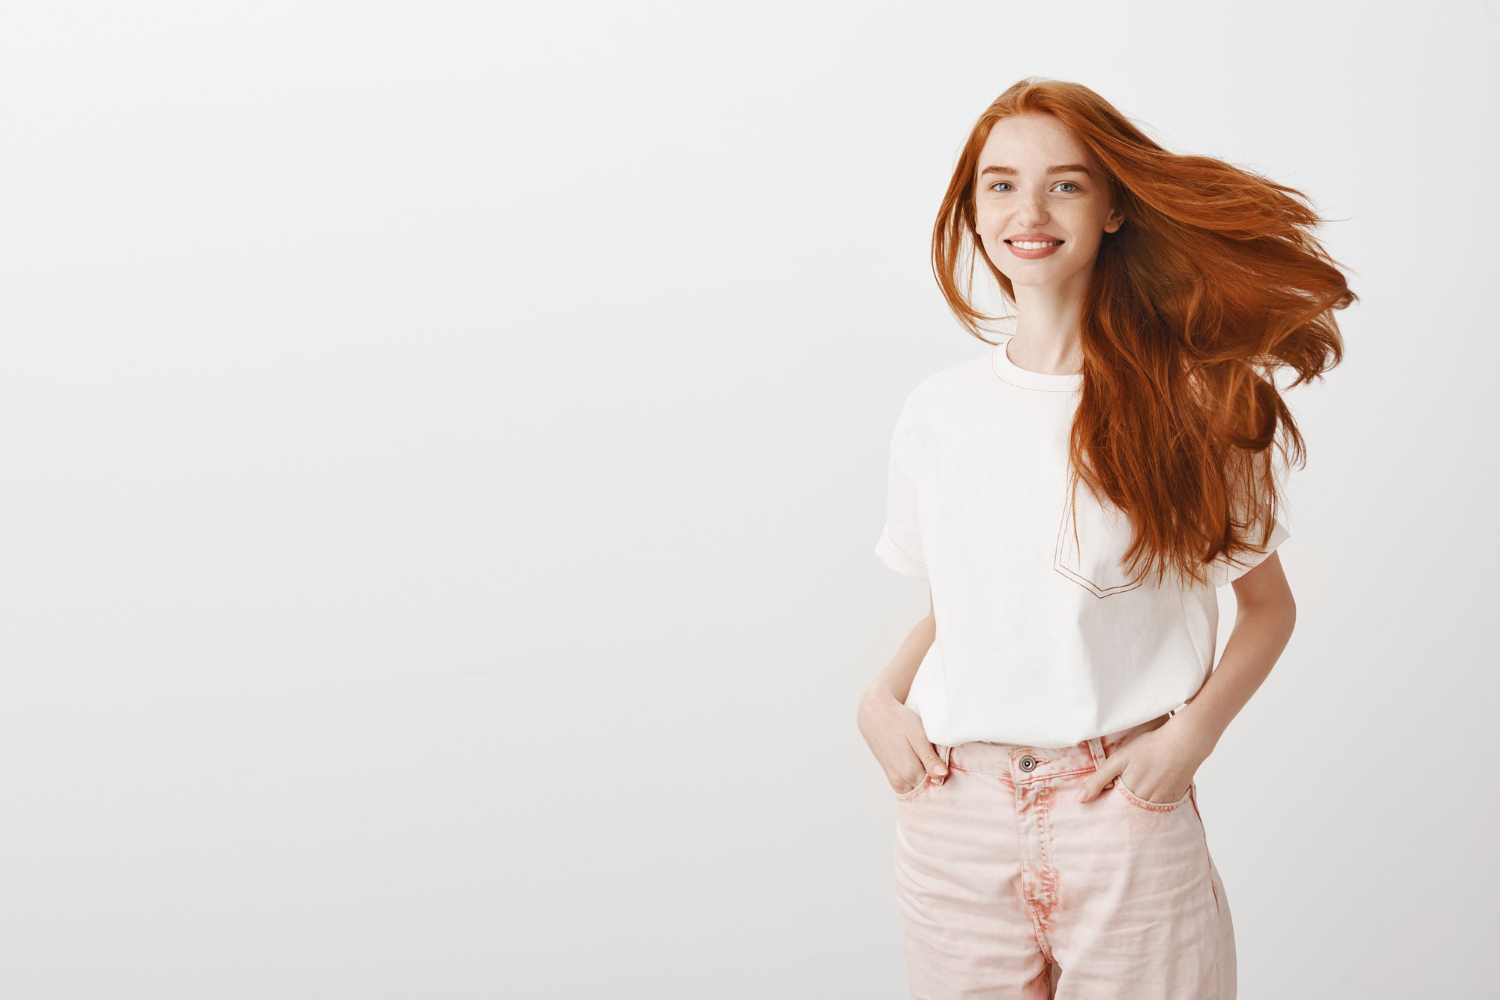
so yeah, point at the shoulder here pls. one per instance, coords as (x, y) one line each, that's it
(949, 383)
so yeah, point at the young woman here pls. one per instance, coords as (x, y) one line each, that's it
(1074, 496)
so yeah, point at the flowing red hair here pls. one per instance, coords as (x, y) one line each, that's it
(1213, 282)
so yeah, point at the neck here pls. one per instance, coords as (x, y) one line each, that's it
(1047, 325)
(1048, 354)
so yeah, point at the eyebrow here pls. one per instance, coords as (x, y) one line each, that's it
(1066, 168)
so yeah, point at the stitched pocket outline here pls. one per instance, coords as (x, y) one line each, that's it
(912, 793)
(1147, 804)
(1094, 558)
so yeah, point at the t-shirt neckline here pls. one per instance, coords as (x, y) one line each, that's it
(1010, 372)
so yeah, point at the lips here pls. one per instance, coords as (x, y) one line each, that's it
(1033, 238)
(1033, 254)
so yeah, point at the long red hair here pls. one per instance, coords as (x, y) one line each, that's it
(1212, 284)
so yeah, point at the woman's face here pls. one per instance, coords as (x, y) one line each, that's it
(1021, 193)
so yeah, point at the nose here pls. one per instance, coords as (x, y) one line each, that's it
(1033, 213)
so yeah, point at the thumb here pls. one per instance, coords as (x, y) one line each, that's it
(1100, 779)
(916, 738)
(931, 759)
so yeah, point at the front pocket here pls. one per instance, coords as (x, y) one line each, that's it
(945, 754)
(1147, 804)
(907, 796)
(1091, 546)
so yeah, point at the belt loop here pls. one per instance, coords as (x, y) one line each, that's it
(946, 754)
(1096, 750)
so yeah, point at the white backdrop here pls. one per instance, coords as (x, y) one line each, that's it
(444, 446)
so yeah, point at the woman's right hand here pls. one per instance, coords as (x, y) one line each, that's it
(898, 741)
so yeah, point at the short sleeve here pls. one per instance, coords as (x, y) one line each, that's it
(900, 545)
(1225, 572)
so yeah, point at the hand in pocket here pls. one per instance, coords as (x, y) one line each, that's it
(896, 737)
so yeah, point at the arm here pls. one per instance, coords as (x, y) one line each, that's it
(893, 731)
(1165, 758)
(895, 680)
(1264, 618)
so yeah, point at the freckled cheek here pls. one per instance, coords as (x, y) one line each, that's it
(987, 221)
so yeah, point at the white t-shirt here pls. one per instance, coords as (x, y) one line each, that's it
(1040, 639)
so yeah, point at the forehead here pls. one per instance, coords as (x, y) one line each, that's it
(1032, 143)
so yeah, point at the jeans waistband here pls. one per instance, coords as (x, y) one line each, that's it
(1030, 763)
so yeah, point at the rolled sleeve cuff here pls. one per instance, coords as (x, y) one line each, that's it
(1229, 572)
(897, 560)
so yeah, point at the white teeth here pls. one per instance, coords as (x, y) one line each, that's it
(1024, 245)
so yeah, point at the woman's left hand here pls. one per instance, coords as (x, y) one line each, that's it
(1162, 762)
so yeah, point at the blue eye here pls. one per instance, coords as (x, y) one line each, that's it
(1007, 184)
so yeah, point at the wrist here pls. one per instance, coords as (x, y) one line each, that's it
(878, 695)
(1198, 729)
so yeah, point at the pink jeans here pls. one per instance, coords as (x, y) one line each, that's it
(1009, 888)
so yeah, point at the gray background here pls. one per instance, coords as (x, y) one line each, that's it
(444, 446)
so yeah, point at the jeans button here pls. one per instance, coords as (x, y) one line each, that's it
(1028, 762)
